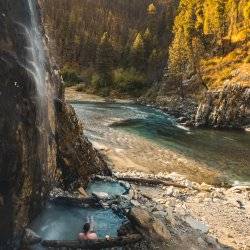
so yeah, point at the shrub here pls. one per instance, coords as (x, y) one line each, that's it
(80, 87)
(101, 86)
(70, 76)
(129, 81)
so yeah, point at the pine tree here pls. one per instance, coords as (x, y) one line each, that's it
(151, 9)
(155, 65)
(104, 61)
(138, 53)
(148, 43)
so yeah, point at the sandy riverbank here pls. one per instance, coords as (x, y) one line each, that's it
(71, 94)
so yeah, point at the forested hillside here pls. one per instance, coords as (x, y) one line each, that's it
(113, 44)
(211, 40)
(126, 46)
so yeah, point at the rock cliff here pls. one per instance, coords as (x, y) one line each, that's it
(224, 108)
(228, 108)
(41, 141)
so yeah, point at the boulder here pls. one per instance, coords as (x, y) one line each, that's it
(149, 225)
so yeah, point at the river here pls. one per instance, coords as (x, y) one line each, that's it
(148, 139)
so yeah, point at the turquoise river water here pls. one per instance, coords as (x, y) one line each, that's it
(225, 151)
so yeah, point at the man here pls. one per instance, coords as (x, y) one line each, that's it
(87, 234)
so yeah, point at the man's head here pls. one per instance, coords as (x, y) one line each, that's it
(86, 227)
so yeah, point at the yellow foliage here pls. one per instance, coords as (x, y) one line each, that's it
(152, 9)
(138, 43)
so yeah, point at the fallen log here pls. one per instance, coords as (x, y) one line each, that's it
(93, 244)
(151, 181)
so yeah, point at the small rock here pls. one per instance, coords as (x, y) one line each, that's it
(160, 213)
(197, 225)
(202, 242)
(211, 241)
(83, 193)
(135, 203)
(30, 237)
(159, 207)
(176, 193)
(205, 187)
(135, 197)
(101, 195)
(180, 211)
(170, 203)
(170, 191)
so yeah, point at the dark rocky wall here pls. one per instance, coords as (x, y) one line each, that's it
(75, 155)
(228, 108)
(33, 156)
(23, 180)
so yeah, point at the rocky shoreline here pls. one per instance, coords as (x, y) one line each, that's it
(184, 215)
(218, 214)
(227, 108)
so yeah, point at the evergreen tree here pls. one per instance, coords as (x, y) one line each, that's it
(138, 53)
(151, 9)
(155, 65)
(104, 61)
(148, 43)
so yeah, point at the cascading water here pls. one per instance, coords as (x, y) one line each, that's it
(35, 57)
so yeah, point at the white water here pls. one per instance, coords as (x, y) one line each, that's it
(35, 52)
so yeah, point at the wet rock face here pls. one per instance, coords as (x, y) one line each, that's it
(23, 179)
(33, 156)
(76, 156)
(229, 108)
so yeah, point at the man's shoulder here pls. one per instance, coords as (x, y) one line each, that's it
(93, 235)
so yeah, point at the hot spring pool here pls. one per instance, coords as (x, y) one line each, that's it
(58, 222)
(109, 187)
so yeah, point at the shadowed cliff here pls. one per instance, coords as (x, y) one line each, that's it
(31, 128)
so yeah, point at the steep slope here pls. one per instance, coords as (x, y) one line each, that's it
(209, 52)
(31, 127)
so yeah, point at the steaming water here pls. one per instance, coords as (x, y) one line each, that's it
(226, 151)
(111, 188)
(58, 222)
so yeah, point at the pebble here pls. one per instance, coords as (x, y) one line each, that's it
(170, 191)
(211, 241)
(135, 203)
(101, 195)
(159, 207)
(170, 203)
(202, 242)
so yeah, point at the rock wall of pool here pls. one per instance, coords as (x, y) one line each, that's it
(65, 213)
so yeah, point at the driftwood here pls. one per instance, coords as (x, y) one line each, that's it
(151, 181)
(93, 244)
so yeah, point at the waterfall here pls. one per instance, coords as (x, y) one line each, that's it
(34, 61)
(35, 58)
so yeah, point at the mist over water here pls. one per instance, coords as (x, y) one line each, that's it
(226, 151)
(57, 222)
